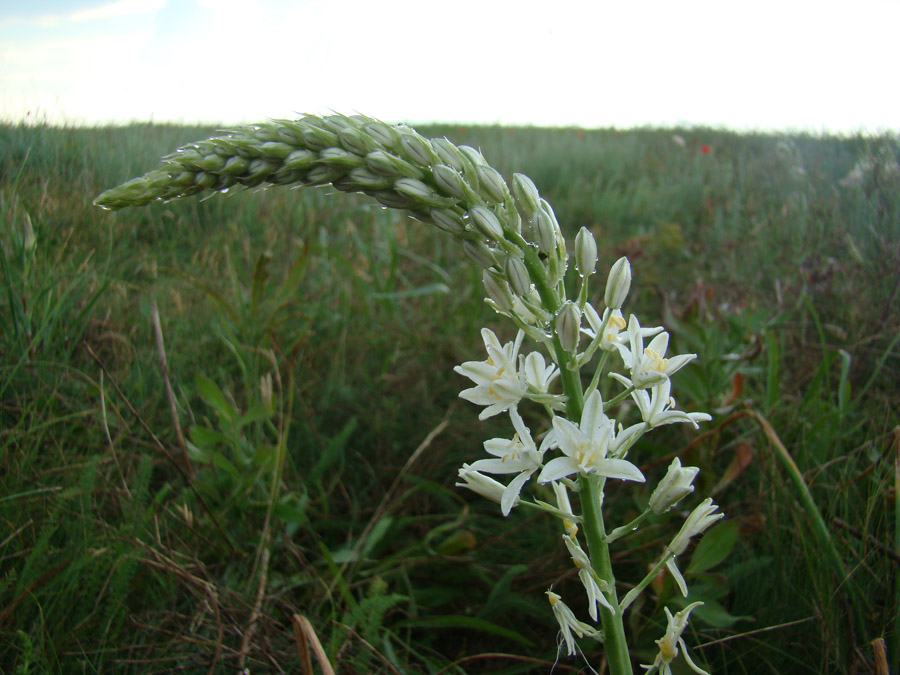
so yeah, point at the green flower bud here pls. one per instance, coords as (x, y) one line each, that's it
(205, 180)
(355, 142)
(213, 162)
(259, 168)
(235, 166)
(416, 149)
(479, 253)
(492, 183)
(526, 194)
(448, 221)
(568, 326)
(315, 138)
(517, 274)
(618, 283)
(544, 228)
(497, 290)
(383, 134)
(449, 153)
(486, 222)
(275, 151)
(449, 180)
(321, 174)
(391, 165)
(473, 155)
(299, 160)
(585, 252)
(340, 157)
(370, 180)
(392, 200)
(420, 192)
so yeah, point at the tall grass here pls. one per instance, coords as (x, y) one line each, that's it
(310, 341)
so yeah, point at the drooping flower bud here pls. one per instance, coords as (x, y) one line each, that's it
(699, 521)
(568, 326)
(618, 283)
(674, 486)
(585, 252)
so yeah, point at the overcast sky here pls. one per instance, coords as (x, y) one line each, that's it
(766, 64)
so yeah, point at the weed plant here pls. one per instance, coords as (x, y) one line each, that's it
(303, 490)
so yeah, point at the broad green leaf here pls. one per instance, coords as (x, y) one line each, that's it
(204, 437)
(220, 461)
(256, 413)
(714, 614)
(714, 547)
(211, 393)
(376, 534)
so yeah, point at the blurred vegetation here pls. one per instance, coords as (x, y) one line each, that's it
(304, 484)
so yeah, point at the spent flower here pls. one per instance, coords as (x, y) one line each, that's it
(568, 624)
(669, 643)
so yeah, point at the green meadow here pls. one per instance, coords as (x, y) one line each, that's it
(230, 428)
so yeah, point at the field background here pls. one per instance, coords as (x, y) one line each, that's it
(310, 338)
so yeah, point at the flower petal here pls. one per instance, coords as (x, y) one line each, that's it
(616, 468)
(558, 468)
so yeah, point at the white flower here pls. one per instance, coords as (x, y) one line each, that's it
(538, 374)
(612, 338)
(498, 384)
(519, 455)
(585, 574)
(674, 486)
(699, 521)
(479, 483)
(585, 446)
(657, 407)
(568, 623)
(648, 364)
(668, 643)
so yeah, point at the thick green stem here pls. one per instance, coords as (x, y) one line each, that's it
(617, 656)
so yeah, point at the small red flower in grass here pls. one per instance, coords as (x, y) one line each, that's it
(705, 149)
